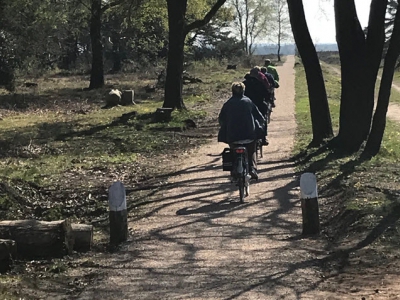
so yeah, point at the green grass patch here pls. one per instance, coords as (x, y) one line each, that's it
(395, 93)
(60, 151)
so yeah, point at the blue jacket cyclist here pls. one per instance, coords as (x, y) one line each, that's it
(241, 123)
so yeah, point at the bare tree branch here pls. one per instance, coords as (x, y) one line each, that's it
(206, 19)
(110, 5)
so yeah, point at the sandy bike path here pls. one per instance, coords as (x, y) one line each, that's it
(198, 242)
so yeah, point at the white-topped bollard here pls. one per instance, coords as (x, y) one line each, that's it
(309, 203)
(118, 213)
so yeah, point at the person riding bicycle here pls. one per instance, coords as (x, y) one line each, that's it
(271, 69)
(259, 93)
(241, 123)
(272, 82)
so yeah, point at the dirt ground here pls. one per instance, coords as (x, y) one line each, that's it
(197, 241)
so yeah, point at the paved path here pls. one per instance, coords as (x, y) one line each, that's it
(198, 242)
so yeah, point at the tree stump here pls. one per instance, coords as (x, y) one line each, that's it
(118, 213)
(127, 97)
(309, 204)
(8, 252)
(113, 98)
(83, 235)
(39, 239)
(163, 114)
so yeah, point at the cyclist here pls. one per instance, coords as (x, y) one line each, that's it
(271, 69)
(272, 88)
(241, 123)
(258, 92)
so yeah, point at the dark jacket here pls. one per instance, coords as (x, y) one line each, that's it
(270, 78)
(240, 120)
(257, 92)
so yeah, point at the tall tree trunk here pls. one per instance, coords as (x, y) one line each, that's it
(97, 72)
(379, 121)
(375, 42)
(279, 47)
(320, 114)
(279, 31)
(178, 30)
(356, 98)
(177, 34)
(116, 52)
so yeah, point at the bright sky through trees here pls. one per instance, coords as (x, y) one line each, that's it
(321, 19)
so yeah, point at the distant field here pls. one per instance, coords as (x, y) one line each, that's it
(330, 57)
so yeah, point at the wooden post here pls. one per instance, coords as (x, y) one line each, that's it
(309, 204)
(118, 213)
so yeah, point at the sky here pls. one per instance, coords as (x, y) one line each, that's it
(321, 20)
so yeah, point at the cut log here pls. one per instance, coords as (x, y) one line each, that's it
(39, 239)
(127, 97)
(83, 235)
(8, 251)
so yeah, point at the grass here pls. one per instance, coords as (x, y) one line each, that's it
(333, 59)
(368, 191)
(396, 77)
(59, 151)
(58, 145)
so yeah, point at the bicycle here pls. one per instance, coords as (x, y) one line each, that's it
(235, 160)
(267, 117)
(259, 151)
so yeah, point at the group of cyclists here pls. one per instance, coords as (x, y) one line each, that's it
(243, 117)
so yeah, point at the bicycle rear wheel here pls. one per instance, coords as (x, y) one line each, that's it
(241, 185)
(259, 152)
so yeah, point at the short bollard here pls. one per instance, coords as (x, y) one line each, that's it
(118, 213)
(309, 204)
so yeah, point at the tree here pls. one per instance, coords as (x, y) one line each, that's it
(252, 21)
(280, 24)
(136, 30)
(319, 108)
(97, 71)
(379, 121)
(389, 22)
(6, 56)
(360, 58)
(178, 30)
(215, 40)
